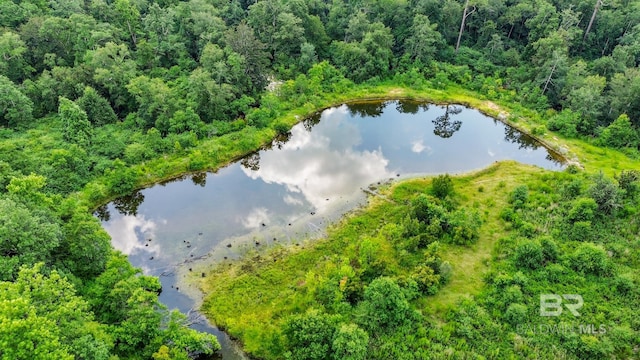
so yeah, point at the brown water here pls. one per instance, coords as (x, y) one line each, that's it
(302, 182)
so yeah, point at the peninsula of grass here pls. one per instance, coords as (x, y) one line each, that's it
(530, 240)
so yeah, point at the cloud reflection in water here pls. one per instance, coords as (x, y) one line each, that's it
(323, 165)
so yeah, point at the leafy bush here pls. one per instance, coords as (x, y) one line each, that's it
(442, 186)
(529, 255)
(550, 250)
(281, 128)
(583, 209)
(426, 278)
(425, 210)
(629, 181)
(519, 196)
(350, 343)
(384, 306)
(516, 314)
(565, 122)
(606, 194)
(620, 134)
(464, 226)
(309, 336)
(590, 259)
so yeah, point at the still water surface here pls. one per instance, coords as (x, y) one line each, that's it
(301, 182)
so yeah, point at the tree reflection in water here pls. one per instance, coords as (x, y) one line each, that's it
(444, 126)
(128, 205)
(367, 109)
(199, 179)
(102, 212)
(251, 162)
(411, 107)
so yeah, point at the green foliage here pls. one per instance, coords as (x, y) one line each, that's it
(190, 79)
(44, 318)
(27, 236)
(516, 314)
(310, 336)
(442, 186)
(583, 209)
(565, 122)
(464, 226)
(425, 210)
(350, 343)
(606, 194)
(97, 108)
(384, 306)
(121, 180)
(519, 196)
(590, 259)
(529, 255)
(77, 128)
(16, 108)
(629, 181)
(620, 134)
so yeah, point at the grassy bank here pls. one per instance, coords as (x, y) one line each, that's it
(210, 154)
(255, 298)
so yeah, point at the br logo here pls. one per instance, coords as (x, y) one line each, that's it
(551, 304)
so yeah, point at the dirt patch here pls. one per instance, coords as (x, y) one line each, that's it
(491, 105)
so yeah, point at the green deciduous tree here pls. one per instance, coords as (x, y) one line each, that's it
(625, 95)
(12, 61)
(244, 42)
(26, 237)
(384, 306)
(350, 343)
(77, 128)
(606, 194)
(620, 134)
(41, 316)
(424, 40)
(309, 336)
(15, 108)
(113, 68)
(98, 109)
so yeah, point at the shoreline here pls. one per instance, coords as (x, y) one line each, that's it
(486, 107)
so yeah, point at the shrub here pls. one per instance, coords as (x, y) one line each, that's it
(519, 196)
(580, 231)
(583, 209)
(529, 255)
(425, 210)
(384, 306)
(590, 259)
(427, 280)
(620, 134)
(550, 251)
(464, 226)
(309, 336)
(566, 123)
(606, 194)
(446, 272)
(442, 186)
(281, 128)
(516, 314)
(350, 343)
(629, 181)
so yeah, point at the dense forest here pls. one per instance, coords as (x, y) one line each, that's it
(100, 97)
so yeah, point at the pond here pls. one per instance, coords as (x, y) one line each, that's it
(291, 190)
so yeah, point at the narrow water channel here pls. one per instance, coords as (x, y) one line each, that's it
(291, 190)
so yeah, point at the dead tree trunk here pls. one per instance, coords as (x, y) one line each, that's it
(546, 83)
(465, 15)
(593, 18)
